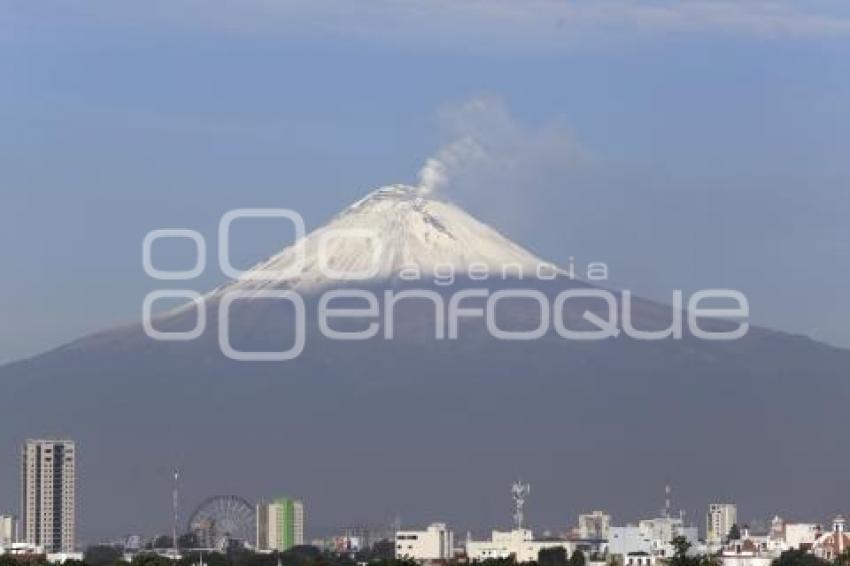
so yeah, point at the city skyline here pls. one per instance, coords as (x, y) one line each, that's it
(280, 521)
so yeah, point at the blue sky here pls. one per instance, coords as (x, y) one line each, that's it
(691, 145)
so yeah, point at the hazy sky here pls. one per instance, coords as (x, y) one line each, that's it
(688, 146)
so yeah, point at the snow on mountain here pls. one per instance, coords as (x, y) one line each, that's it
(394, 231)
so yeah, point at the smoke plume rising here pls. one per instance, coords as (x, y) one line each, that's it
(450, 160)
(499, 166)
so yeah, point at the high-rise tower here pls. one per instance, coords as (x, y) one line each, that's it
(48, 494)
(280, 524)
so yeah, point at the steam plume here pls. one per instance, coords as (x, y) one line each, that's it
(448, 161)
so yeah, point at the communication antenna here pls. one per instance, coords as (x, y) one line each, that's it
(519, 491)
(667, 491)
(175, 496)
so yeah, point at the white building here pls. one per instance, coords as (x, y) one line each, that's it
(798, 535)
(662, 530)
(791, 536)
(628, 539)
(62, 557)
(434, 543)
(833, 543)
(519, 543)
(651, 537)
(8, 530)
(594, 525)
(30, 551)
(752, 550)
(718, 522)
(639, 558)
(745, 558)
(48, 488)
(22, 549)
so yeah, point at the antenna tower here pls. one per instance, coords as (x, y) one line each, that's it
(519, 491)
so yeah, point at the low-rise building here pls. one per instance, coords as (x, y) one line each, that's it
(62, 557)
(8, 530)
(22, 549)
(651, 537)
(594, 525)
(519, 543)
(832, 544)
(801, 535)
(745, 558)
(628, 539)
(639, 558)
(751, 549)
(434, 543)
(662, 530)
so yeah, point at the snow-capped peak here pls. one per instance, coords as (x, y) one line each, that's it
(394, 229)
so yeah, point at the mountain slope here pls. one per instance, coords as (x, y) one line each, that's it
(434, 429)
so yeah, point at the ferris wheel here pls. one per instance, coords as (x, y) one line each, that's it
(222, 520)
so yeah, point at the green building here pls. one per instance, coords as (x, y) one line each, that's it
(280, 524)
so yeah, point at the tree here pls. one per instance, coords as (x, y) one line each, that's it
(163, 541)
(244, 557)
(303, 553)
(394, 562)
(799, 558)
(188, 540)
(577, 559)
(681, 546)
(150, 559)
(210, 559)
(842, 559)
(383, 550)
(27, 560)
(553, 556)
(734, 532)
(103, 555)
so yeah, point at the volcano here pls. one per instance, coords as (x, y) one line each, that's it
(429, 428)
(393, 229)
